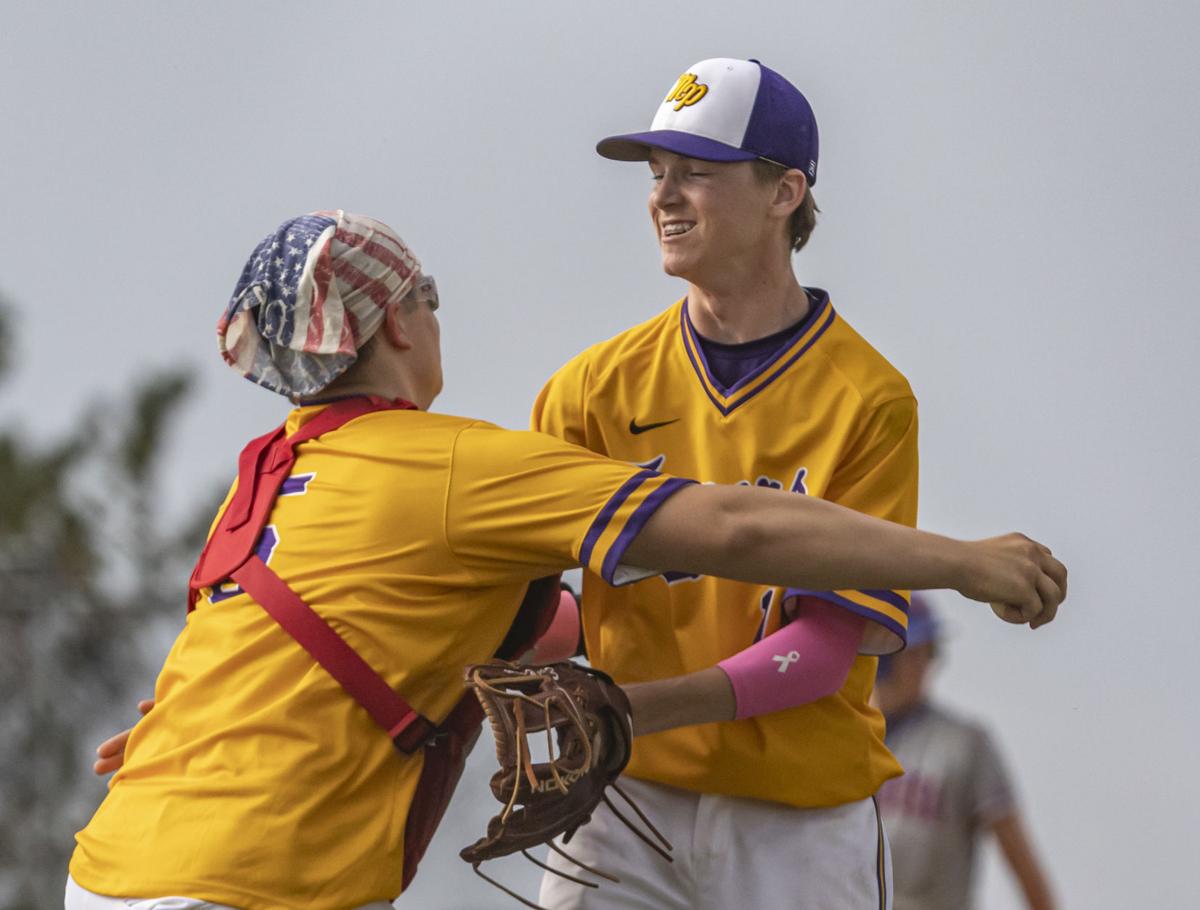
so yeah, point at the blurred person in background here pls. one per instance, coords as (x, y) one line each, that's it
(955, 789)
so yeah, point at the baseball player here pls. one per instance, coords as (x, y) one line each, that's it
(954, 791)
(395, 546)
(751, 379)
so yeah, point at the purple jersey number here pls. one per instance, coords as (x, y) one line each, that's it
(296, 485)
(267, 542)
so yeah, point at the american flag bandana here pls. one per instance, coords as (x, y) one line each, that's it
(312, 294)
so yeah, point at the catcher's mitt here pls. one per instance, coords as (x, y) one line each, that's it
(592, 737)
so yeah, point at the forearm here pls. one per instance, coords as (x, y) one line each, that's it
(806, 660)
(1017, 849)
(826, 547)
(703, 697)
(821, 643)
(1037, 894)
(797, 541)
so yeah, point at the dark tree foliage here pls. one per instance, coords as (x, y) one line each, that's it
(91, 586)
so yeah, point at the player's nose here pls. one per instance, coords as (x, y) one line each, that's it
(665, 191)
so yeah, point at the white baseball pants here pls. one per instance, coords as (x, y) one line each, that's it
(729, 854)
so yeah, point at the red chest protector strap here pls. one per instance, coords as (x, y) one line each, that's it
(229, 554)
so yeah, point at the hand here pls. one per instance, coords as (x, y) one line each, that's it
(112, 750)
(1019, 577)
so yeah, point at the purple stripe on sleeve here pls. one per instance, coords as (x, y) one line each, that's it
(636, 521)
(866, 612)
(606, 514)
(890, 597)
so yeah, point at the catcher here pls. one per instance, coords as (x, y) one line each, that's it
(310, 722)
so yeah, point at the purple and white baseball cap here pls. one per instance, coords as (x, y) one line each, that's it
(728, 110)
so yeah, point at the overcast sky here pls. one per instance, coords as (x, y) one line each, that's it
(1010, 213)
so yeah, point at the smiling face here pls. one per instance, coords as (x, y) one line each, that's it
(709, 217)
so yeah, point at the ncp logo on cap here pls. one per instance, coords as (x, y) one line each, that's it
(728, 110)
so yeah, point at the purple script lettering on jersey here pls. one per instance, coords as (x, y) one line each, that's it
(296, 485)
(267, 542)
(798, 484)
(765, 605)
(770, 483)
(654, 464)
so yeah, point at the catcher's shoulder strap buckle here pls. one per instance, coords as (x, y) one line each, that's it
(415, 732)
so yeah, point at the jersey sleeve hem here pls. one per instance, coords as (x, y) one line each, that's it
(620, 521)
(887, 611)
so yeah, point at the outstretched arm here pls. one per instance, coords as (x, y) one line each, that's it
(801, 542)
(768, 537)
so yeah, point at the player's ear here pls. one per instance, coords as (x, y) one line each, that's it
(789, 192)
(393, 328)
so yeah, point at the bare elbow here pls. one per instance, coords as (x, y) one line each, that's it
(738, 539)
(735, 529)
(700, 529)
(730, 526)
(713, 529)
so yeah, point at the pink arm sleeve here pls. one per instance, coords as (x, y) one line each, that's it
(807, 659)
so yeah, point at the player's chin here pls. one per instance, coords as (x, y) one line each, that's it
(677, 265)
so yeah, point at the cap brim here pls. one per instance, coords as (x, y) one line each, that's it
(637, 147)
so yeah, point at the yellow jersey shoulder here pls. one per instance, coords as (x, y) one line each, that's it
(625, 350)
(563, 407)
(861, 366)
(378, 431)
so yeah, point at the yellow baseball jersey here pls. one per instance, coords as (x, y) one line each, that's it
(257, 781)
(826, 416)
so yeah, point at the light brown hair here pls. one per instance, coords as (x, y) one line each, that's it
(804, 219)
